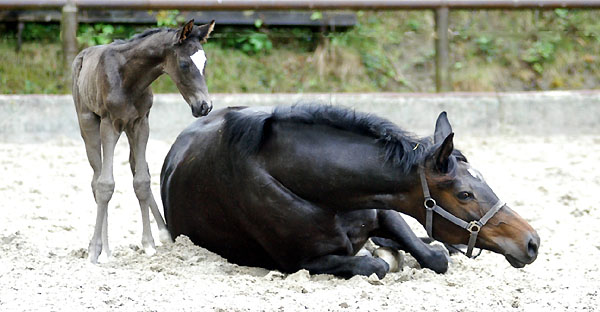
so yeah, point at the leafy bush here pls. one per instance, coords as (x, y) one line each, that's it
(90, 35)
(169, 18)
(41, 32)
(486, 47)
(538, 54)
(248, 41)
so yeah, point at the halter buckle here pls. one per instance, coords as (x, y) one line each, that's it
(429, 203)
(474, 227)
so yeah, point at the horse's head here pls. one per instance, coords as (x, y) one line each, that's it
(461, 190)
(185, 65)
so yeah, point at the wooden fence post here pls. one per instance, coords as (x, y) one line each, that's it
(442, 62)
(68, 32)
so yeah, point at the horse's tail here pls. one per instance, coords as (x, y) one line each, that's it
(75, 70)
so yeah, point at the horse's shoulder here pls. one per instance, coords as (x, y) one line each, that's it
(113, 58)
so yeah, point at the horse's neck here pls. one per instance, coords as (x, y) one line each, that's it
(347, 177)
(145, 61)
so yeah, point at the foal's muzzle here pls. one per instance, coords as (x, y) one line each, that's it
(201, 109)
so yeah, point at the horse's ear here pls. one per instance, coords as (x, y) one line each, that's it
(205, 30)
(185, 31)
(441, 157)
(442, 128)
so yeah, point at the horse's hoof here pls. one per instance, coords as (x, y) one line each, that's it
(94, 252)
(381, 267)
(164, 236)
(438, 262)
(104, 257)
(149, 251)
(92, 259)
(442, 249)
(391, 257)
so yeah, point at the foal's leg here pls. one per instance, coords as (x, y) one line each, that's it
(89, 125)
(105, 186)
(392, 226)
(138, 139)
(163, 232)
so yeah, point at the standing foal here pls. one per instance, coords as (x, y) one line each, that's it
(111, 91)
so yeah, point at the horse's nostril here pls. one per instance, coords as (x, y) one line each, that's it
(532, 247)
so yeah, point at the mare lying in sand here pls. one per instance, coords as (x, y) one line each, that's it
(304, 187)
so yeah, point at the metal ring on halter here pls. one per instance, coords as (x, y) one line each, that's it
(430, 201)
(474, 227)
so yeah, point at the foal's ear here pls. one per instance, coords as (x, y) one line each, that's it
(185, 31)
(442, 128)
(441, 157)
(205, 30)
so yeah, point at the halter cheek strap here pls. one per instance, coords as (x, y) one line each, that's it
(473, 227)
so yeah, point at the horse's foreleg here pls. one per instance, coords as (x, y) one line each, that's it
(138, 139)
(105, 186)
(347, 266)
(164, 235)
(393, 226)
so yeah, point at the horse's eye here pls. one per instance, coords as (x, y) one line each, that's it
(184, 65)
(465, 196)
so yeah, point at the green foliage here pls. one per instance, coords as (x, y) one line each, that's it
(538, 54)
(316, 15)
(249, 41)
(486, 46)
(387, 51)
(169, 18)
(90, 35)
(41, 32)
(414, 25)
(37, 68)
(562, 13)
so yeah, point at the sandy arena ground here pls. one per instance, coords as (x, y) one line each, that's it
(47, 216)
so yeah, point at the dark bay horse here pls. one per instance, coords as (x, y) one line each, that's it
(111, 91)
(304, 187)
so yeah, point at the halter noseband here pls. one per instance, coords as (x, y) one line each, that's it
(473, 227)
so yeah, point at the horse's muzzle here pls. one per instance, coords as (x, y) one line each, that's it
(201, 109)
(528, 254)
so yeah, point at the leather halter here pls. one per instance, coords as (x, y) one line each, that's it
(473, 227)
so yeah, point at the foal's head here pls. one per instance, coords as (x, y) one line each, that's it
(185, 65)
(461, 190)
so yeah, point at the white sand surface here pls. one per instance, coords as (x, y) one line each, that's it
(47, 214)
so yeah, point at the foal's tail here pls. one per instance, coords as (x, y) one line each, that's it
(75, 70)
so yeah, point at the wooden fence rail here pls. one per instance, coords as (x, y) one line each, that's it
(441, 8)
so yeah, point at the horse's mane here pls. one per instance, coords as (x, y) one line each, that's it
(247, 131)
(143, 35)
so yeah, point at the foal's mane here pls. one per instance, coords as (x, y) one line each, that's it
(145, 34)
(246, 131)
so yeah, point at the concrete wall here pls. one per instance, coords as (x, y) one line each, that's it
(26, 118)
